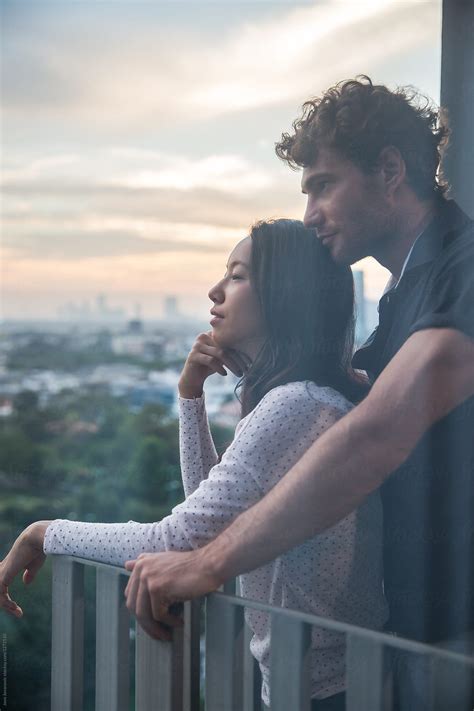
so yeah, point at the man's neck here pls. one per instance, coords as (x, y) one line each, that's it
(395, 249)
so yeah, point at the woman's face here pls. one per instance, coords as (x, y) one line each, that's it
(237, 322)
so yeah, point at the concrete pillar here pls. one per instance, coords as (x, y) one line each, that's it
(457, 95)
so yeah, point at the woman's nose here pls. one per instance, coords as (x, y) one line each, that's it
(216, 293)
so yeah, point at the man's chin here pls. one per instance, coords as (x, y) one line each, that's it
(339, 255)
(344, 257)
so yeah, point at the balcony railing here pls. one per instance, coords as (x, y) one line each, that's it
(168, 675)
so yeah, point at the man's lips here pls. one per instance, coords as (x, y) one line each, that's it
(325, 238)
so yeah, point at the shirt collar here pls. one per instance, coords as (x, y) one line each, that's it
(429, 243)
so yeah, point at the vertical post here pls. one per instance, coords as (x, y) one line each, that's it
(452, 684)
(192, 655)
(364, 674)
(224, 639)
(290, 664)
(67, 649)
(252, 678)
(159, 672)
(112, 642)
(457, 95)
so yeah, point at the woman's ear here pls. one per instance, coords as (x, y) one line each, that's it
(392, 169)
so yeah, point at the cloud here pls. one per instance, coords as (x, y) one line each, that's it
(127, 201)
(73, 244)
(137, 138)
(162, 71)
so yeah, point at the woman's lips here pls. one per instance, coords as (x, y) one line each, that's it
(215, 319)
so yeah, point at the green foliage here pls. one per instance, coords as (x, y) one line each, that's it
(84, 456)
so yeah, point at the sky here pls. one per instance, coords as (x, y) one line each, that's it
(137, 138)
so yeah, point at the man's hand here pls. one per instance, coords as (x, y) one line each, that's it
(431, 374)
(160, 580)
(25, 555)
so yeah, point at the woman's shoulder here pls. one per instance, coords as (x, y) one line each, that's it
(305, 392)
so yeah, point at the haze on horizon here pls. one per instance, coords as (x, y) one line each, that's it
(138, 138)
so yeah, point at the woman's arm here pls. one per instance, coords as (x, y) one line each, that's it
(277, 433)
(25, 555)
(197, 452)
(196, 447)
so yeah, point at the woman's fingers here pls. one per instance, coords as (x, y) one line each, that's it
(32, 569)
(210, 359)
(231, 360)
(7, 604)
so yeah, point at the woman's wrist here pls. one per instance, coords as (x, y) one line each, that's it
(189, 392)
(35, 533)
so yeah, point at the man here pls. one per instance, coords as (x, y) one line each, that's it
(370, 160)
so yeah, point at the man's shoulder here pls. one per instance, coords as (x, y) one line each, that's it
(458, 231)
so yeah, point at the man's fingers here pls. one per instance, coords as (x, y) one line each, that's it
(131, 590)
(130, 564)
(156, 630)
(143, 611)
(161, 613)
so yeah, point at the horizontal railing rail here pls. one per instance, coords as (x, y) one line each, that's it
(168, 675)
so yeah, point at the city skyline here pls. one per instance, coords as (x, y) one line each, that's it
(134, 159)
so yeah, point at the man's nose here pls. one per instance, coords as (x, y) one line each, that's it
(312, 216)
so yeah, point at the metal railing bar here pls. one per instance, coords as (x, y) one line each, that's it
(159, 672)
(67, 648)
(112, 643)
(224, 639)
(252, 678)
(92, 563)
(364, 674)
(389, 640)
(192, 655)
(290, 664)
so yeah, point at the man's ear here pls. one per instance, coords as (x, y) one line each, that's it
(392, 169)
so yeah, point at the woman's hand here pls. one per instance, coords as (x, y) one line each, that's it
(25, 555)
(204, 359)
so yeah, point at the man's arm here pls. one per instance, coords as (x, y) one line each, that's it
(431, 374)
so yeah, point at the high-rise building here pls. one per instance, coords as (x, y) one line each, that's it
(361, 322)
(171, 307)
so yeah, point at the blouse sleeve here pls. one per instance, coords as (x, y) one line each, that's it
(196, 447)
(272, 439)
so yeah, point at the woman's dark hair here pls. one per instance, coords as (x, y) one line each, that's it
(307, 303)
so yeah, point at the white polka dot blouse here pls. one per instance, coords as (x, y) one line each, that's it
(336, 574)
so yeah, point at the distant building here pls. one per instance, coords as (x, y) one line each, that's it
(361, 323)
(171, 308)
(83, 312)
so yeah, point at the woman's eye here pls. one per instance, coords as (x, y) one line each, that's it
(235, 277)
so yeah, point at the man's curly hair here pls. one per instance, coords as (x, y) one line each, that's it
(358, 119)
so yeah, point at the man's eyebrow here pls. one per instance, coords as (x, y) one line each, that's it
(314, 178)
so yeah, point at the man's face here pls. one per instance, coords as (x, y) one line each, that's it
(347, 207)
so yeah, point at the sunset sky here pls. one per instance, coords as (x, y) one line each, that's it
(138, 137)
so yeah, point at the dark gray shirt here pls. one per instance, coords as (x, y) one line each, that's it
(428, 502)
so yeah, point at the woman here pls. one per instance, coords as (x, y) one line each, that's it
(283, 316)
